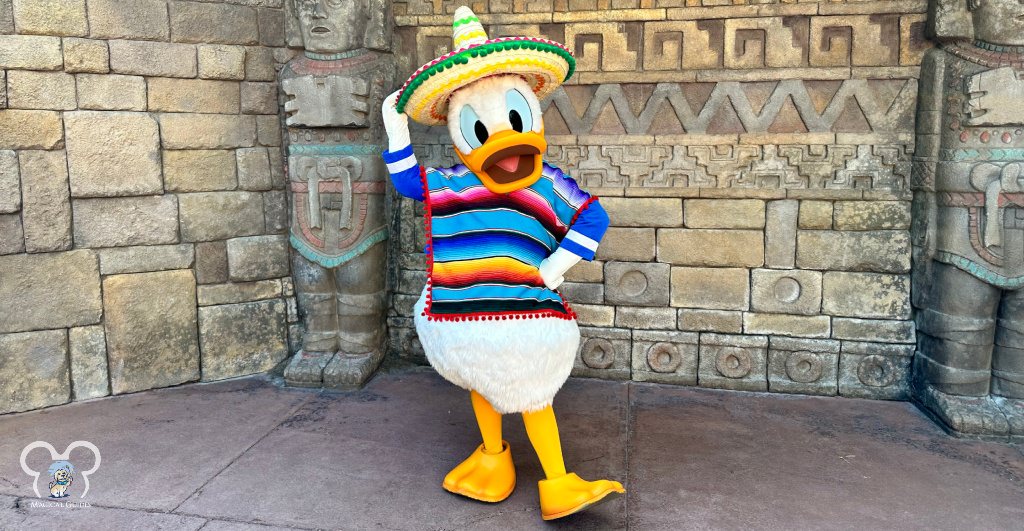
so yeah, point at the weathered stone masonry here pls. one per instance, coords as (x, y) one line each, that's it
(142, 204)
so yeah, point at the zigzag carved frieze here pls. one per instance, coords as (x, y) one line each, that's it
(856, 105)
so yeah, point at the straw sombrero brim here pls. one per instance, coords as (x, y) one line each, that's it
(544, 64)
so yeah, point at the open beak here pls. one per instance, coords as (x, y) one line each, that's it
(508, 161)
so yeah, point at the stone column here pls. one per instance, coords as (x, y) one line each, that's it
(336, 181)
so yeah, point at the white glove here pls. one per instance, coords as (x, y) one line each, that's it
(552, 269)
(395, 124)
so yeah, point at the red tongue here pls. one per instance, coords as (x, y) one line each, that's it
(509, 164)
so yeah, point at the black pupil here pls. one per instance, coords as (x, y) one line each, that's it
(481, 132)
(515, 120)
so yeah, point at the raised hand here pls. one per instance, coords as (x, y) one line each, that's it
(396, 124)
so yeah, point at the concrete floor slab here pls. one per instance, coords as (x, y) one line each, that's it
(377, 457)
(157, 447)
(26, 516)
(739, 460)
(224, 525)
(246, 453)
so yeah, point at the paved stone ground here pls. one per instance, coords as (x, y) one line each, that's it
(233, 454)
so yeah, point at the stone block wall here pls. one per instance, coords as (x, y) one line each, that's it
(142, 205)
(754, 158)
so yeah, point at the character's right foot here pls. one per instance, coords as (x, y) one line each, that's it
(571, 494)
(484, 477)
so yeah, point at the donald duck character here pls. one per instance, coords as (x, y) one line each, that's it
(503, 227)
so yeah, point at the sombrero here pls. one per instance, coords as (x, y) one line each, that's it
(544, 64)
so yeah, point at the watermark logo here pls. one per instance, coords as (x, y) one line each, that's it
(61, 474)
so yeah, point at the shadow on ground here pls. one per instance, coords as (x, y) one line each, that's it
(234, 454)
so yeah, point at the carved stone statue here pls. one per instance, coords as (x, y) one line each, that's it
(968, 229)
(337, 182)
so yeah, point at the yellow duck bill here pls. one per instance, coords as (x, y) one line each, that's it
(508, 160)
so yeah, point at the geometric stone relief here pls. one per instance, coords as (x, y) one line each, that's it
(736, 42)
(733, 362)
(665, 357)
(879, 167)
(808, 366)
(883, 168)
(603, 353)
(592, 43)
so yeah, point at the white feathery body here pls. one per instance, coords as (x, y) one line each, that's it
(516, 364)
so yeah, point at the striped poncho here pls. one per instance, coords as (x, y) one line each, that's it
(484, 248)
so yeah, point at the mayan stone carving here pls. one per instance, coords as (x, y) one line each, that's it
(968, 231)
(337, 183)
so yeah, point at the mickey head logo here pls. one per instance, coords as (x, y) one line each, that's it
(54, 456)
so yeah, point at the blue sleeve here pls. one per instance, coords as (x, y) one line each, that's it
(405, 172)
(586, 231)
(584, 215)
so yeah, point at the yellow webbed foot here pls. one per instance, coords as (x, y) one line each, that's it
(482, 476)
(570, 494)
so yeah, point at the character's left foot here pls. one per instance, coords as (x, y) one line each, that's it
(570, 494)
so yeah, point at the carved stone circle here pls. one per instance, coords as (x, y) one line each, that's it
(598, 353)
(804, 367)
(876, 371)
(663, 357)
(734, 362)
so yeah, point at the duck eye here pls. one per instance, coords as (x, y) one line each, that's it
(471, 128)
(515, 120)
(480, 131)
(520, 116)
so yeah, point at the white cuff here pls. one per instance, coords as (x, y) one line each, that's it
(553, 268)
(582, 240)
(402, 165)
